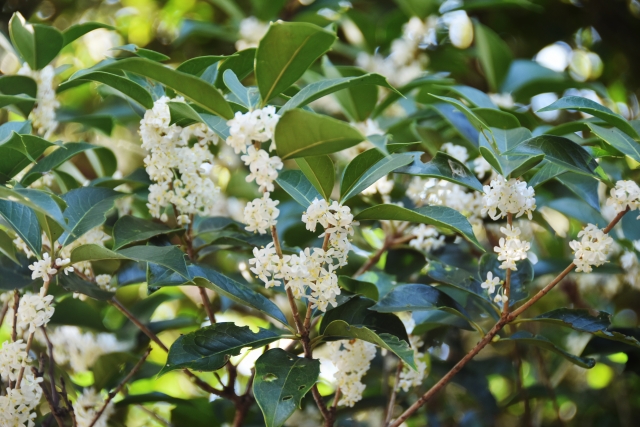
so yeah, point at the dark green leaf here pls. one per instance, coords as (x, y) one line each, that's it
(418, 297)
(24, 222)
(196, 66)
(476, 97)
(122, 84)
(442, 166)
(526, 337)
(16, 85)
(7, 248)
(618, 140)
(286, 52)
(129, 229)
(209, 348)
(87, 208)
(37, 44)
(439, 216)
(358, 176)
(298, 186)
(475, 120)
(504, 140)
(320, 172)
(55, 159)
(494, 55)
(75, 284)
(281, 381)
(366, 289)
(248, 97)
(40, 201)
(497, 118)
(142, 52)
(241, 63)
(301, 133)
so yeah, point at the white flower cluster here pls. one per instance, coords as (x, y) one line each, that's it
(490, 285)
(35, 310)
(43, 269)
(261, 214)
(264, 169)
(352, 358)
(626, 194)
(458, 152)
(460, 28)
(43, 114)
(432, 191)
(426, 238)
(312, 269)
(383, 186)
(251, 32)
(104, 282)
(410, 377)
(511, 196)
(17, 405)
(592, 249)
(253, 126)
(181, 172)
(86, 407)
(511, 249)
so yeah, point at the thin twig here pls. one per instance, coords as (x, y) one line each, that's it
(16, 304)
(63, 392)
(491, 334)
(207, 304)
(158, 418)
(153, 337)
(54, 393)
(392, 398)
(3, 312)
(47, 397)
(21, 373)
(114, 393)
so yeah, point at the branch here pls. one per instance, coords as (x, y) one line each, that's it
(47, 397)
(491, 334)
(392, 398)
(114, 393)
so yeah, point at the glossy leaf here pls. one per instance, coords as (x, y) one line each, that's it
(141, 52)
(357, 179)
(123, 85)
(209, 349)
(439, 216)
(366, 289)
(504, 140)
(286, 52)
(281, 381)
(417, 297)
(248, 97)
(74, 32)
(618, 140)
(55, 159)
(442, 166)
(42, 202)
(301, 133)
(129, 229)
(320, 172)
(526, 337)
(76, 284)
(24, 222)
(196, 66)
(38, 44)
(87, 208)
(20, 85)
(298, 186)
(494, 54)
(475, 96)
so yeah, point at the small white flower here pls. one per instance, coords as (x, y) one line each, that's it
(261, 214)
(592, 249)
(626, 194)
(513, 196)
(104, 282)
(491, 283)
(427, 238)
(352, 358)
(511, 249)
(43, 269)
(458, 152)
(64, 263)
(35, 310)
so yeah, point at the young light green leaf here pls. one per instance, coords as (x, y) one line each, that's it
(320, 172)
(439, 216)
(298, 186)
(526, 337)
(301, 133)
(281, 381)
(442, 166)
(357, 179)
(24, 222)
(588, 106)
(342, 330)
(495, 56)
(129, 229)
(123, 85)
(286, 52)
(209, 349)
(199, 91)
(323, 88)
(618, 140)
(87, 208)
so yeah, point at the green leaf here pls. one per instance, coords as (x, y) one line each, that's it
(87, 208)
(497, 118)
(74, 32)
(241, 63)
(358, 102)
(242, 294)
(342, 330)
(298, 186)
(360, 287)
(37, 44)
(196, 66)
(526, 337)
(74, 283)
(588, 106)
(301, 133)
(495, 56)
(55, 159)
(16, 85)
(442, 166)
(16, 276)
(129, 229)
(184, 114)
(439, 216)
(122, 84)
(585, 188)
(323, 88)
(281, 381)
(584, 321)
(18, 151)
(505, 140)
(102, 122)
(40, 201)
(72, 311)
(7, 248)
(527, 78)
(418, 297)
(286, 52)
(142, 52)
(476, 97)
(199, 91)
(358, 312)
(458, 121)
(474, 119)
(15, 100)
(360, 175)
(320, 172)
(558, 150)
(545, 173)
(24, 222)
(208, 349)
(618, 140)
(170, 257)
(248, 97)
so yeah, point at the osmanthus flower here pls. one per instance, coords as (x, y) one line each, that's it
(491, 283)
(460, 28)
(43, 268)
(592, 249)
(503, 197)
(86, 407)
(353, 359)
(458, 152)
(264, 169)
(12, 358)
(511, 249)
(254, 126)
(251, 32)
(261, 214)
(626, 194)
(481, 167)
(35, 310)
(43, 114)
(426, 238)
(104, 282)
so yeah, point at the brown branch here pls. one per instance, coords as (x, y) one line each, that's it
(153, 337)
(114, 393)
(3, 312)
(54, 409)
(21, 373)
(491, 334)
(54, 393)
(392, 398)
(63, 392)
(157, 417)
(207, 304)
(16, 304)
